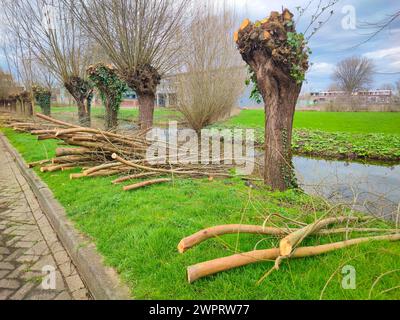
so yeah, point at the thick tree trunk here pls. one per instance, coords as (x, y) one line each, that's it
(82, 93)
(280, 93)
(84, 113)
(146, 110)
(110, 117)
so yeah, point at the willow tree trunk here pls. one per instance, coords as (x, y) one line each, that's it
(82, 92)
(278, 59)
(146, 110)
(111, 116)
(84, 107)
(280, 93)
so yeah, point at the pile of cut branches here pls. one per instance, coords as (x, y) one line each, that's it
(289, 244)
(105, 153)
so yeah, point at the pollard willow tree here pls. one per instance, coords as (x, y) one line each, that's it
(57, 42)
(139, 38)
(278, 59)
(111, 89)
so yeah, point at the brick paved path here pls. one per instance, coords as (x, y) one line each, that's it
(33, 262)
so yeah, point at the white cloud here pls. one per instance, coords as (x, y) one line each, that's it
(392, 53)
(322, 68)
(387, 60)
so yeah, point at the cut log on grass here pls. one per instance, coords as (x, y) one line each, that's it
(203, 235)
(38, 163)
(207, 268)
(145, 184)
(216, 231)
(292, 240)
(74, 176)
(102, 167)
(135, 176)
(60, 152)
(70, 159)
(54, 168)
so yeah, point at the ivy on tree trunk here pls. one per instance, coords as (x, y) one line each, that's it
(278, 59)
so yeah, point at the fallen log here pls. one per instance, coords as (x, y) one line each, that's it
(203, 235)
(102, 167)
(207, 268)
(216, 231)
(135, 176)
(60, 152)
(70, 159)
(54, 168)
(145, 184)
(38, 163)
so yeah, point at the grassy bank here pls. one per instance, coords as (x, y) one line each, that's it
(351, 122)
(335, 135)
(137, 233)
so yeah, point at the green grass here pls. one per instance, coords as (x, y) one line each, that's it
(352, 122)
(370, 136)
(125, 114)
(137, 233)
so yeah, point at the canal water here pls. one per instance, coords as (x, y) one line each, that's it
(373, 189)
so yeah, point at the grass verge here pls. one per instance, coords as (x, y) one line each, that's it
(370, 136)
(137, 233)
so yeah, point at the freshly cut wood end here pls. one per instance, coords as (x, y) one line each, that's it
(285, 247)
(181, 247)
(267, 35)
(244, 24)
(287, 15)
(114, 156)
(73, 176)
(236, 36)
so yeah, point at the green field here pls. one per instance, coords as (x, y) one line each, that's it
(352, 122)
(137, 233)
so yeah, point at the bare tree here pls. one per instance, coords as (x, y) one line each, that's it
(354, 73)
(58, 42)
(213, 74)
(140, 39)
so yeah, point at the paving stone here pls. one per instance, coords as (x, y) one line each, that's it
(38, 249)
(3, 273)
(74, 283)
(28, 243)
(9, 284)
(28, 258)
(81, 294)
(61, 257)
(22, 292)
(4, 250)
(6, 266)
(63, 296)
(5, 293)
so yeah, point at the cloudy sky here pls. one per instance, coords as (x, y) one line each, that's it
(337, 40)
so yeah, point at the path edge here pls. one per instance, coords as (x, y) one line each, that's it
(103, 282)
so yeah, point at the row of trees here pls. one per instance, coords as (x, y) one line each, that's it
(138, 43)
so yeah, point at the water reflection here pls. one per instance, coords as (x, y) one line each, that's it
(370, 188)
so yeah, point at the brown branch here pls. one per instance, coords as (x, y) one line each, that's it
(207, 268)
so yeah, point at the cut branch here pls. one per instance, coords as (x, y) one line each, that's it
(207, 268)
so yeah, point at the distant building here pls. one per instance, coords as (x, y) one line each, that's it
(368, 96)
